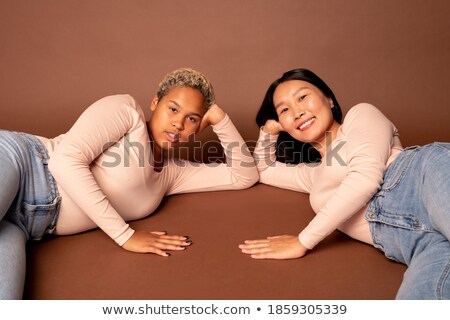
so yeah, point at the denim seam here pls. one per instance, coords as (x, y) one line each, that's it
(41, 151)
(375, 214)
(402, 173)
(438, 145)
(442, 280)
(17, 214)
(420, 228)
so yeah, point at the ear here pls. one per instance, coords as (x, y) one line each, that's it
(331, 103)
(154, 103)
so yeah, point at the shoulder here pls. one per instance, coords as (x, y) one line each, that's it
(120, 100)
(363, 120)
(119, 105)
(362, 115)
(361, 110)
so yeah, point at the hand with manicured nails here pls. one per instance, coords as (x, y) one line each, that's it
(279, 247)
(272, 127)
(157, 242)
(212, 117)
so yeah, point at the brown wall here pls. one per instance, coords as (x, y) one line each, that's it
(58, 56)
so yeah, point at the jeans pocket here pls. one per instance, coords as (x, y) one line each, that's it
(398, 168)
(40, 219)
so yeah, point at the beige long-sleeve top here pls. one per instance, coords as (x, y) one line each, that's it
(341, 185)
(103, 169)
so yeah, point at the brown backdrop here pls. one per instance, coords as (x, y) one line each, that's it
(57, 57)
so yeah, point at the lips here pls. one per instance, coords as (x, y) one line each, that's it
(304, 125)
(172, 136)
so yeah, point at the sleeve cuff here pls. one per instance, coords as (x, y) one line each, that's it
(305, 242)
(124, 237)
(264, 136)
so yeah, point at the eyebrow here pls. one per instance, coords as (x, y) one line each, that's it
(293, 95)
(179, 106)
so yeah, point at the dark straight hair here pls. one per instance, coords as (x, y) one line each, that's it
(291, 150)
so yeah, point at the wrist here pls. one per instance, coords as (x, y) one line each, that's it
(218, 116)
(267, 130)
(222, 122)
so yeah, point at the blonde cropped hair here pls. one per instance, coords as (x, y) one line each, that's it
(186, 77)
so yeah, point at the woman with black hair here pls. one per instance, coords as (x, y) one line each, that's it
(360, 181)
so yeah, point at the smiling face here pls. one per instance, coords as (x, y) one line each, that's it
(175, 117)
(305, 112)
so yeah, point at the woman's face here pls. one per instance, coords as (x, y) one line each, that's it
(304, 112)
(176, 116)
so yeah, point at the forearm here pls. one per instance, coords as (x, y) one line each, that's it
(265, 151)
(103, 123)
(239, 160)
(81, 187)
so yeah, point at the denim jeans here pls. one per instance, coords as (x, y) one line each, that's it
(410, 220)
(29, 205)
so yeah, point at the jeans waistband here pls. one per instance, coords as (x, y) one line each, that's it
(35, 208)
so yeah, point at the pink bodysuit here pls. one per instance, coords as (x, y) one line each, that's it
(103, 168)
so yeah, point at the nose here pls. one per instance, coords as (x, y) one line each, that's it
(298, 113)
(178, 123)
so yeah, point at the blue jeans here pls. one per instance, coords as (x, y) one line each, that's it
(29, 205)
(410, 220)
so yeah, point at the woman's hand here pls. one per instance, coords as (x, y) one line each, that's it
(212, 117)
(279, 247)
(273, 127)
(156, 242)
